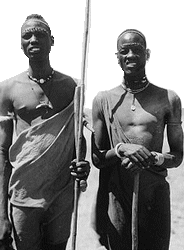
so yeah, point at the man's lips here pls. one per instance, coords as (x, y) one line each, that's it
(34, 50)
(131, 64)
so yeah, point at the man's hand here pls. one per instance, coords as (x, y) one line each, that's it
(138, 155)
(80, 171)
(127, 164)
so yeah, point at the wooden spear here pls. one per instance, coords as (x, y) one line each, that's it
(135, 212)
(79, 110)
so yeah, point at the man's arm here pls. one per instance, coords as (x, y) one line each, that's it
(174, 134)
(172, 159)
(80, 170)
(102, 155)
(6, 134)
(133, 156)
(6, 130)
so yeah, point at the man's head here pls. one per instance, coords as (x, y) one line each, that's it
(132, 51)
(36, 38)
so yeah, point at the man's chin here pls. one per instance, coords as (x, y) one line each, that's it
(132, 70)
(35, 57)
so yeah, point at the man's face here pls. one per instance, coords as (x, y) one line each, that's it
(36, 41)
(131, 53)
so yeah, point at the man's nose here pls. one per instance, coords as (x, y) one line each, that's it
(34, 39)
(130, 53)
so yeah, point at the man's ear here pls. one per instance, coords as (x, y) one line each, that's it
(148, 52)
(52, 39)
(118, 57)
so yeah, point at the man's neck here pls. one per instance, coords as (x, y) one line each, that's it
(135, 81)
(39, 69)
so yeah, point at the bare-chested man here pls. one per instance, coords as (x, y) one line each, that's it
(129, 122)
(40, 102)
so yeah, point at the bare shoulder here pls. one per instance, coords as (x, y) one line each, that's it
(11, 82)
(167, 95)
(7, 89)
(65, 80)
(64, 85)
(175, 105)
(173, 96)
(8, 86)
(168, 103)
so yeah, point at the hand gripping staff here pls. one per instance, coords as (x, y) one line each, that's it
(79, 108)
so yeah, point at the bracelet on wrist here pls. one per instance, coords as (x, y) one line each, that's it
(116, 150)
(159, 159)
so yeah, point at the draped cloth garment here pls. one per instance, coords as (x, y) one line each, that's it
(41, 157)
(113, 206)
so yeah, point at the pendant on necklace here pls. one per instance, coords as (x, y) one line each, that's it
(133, 108)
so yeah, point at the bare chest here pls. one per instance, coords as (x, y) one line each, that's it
(139, 116)
(33, 103)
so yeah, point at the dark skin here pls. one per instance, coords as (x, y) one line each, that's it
(146, 124)
(20, 96)
(140, 155)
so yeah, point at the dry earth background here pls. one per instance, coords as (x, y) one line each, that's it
(85, 237)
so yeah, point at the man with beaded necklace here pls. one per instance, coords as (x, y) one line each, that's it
(33, 99)
(129, 122)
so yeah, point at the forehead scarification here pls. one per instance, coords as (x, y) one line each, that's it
(131, 37)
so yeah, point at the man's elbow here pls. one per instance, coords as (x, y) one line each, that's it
(97, 162)
(178, 159)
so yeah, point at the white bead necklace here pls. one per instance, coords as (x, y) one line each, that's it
(41, 80)
(44, 105)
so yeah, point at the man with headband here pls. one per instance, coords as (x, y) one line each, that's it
(37, 169)
(129, 122)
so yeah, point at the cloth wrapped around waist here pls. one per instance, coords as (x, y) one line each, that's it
(41, 157)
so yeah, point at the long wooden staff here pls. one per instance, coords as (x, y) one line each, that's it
(135, 212)
(79, 109)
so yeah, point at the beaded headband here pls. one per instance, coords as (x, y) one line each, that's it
(133, 44)
(132, 31)
(36, 29)
(39, 21)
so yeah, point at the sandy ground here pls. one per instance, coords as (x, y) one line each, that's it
(85, 237)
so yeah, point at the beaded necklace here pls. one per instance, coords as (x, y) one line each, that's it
(41, 80)
(45, 105)
(144, 81)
